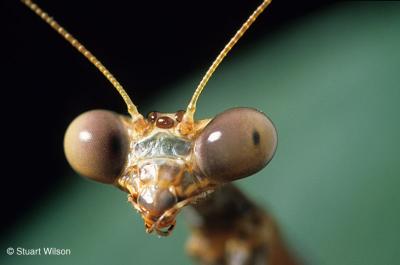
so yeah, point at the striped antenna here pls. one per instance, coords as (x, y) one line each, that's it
(191, 109)
(132, 109)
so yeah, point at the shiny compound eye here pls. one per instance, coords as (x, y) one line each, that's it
(96, 145)
(235, 144)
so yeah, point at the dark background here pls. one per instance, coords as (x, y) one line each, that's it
(146, 44)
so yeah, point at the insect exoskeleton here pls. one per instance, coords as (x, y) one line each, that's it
(163, 170)
(167, 160)
(235, 144)
(96, 145)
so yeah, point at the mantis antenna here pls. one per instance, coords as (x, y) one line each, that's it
(132, 109)
(189, 115)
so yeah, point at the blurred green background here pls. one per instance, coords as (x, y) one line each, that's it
(330, 82)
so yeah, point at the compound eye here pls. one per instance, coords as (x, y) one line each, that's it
(235, 144)
(96, 145)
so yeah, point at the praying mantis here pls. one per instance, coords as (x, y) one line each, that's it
(166, 161)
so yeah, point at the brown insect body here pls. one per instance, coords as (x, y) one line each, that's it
(159, 174)
(169, 160)
(162, 168)
(165, 161)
